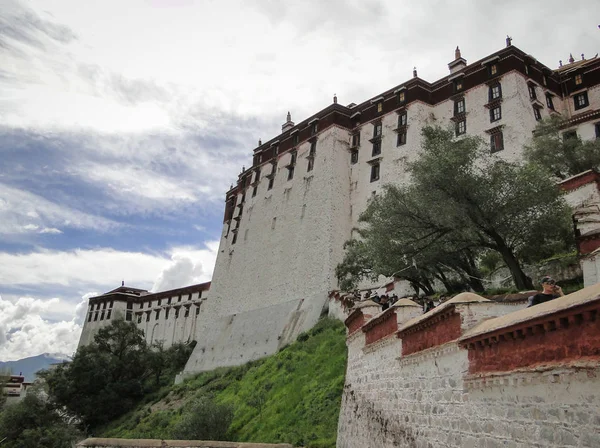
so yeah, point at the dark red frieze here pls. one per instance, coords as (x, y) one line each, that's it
(440, 328)
(354, 321)
(559, 338)
(383, 325)
(580, 180)
(152, 296)
(588, 243)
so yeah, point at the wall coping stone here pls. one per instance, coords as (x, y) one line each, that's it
(428, 353)
(504, 323)
(390, 339)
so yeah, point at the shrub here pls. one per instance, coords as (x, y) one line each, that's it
(204, 420)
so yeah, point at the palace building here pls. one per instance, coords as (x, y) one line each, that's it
(289, 214)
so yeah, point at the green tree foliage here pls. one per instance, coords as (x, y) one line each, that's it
(108, 377)
(560, 155)
(462, 200)
(35, 423)
(204, 420)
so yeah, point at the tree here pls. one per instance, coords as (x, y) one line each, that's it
(563, 155)
(106, 378)
(204, 420)
(35, 423)
(462, 200)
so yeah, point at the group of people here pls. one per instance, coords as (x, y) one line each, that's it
(550, 291)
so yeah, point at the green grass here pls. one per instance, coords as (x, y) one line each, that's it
(293, 396)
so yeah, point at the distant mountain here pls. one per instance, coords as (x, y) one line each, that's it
(29, 366)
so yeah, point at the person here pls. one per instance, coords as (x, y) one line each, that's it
(550, 291)
(385, 304)
(429, 305)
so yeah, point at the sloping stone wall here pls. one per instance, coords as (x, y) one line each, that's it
(494, 385)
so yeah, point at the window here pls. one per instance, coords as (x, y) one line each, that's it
(549, 102)
(356, 139)
(139, 319)
(149, 304)
(581, 100)
(179, 298)
(187, 311)
(493, 69)
(314, 128)
(401, 97)
(545, 80)
(295, 139)
(141, 306)
(376, 148)
(597, 126)
(311, 165)
(313, 148)
(537, 113)
(461, 127)
(147, 316)
(380, 106)
(102, 315)
(458, 85)
(377, 128)
(578, 80)
(169, 301)
(402, 119)
(495, 92)
(89, 317)
(532, 94)
(197, 310)
(112, 303)
(176, 313)
(157, 315)
(104, 305)
(354, 156)
(374, 172)
(459, 106)
(159, 300)
(128, 316)
(167, 313)
(292, 165)
(254, 190)
(496, 142)
(495, 114)
(401, 139)
(290, 172)
(108, 313)
(569, 135)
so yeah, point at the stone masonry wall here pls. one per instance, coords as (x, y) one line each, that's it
(151, 443)
(440, 397)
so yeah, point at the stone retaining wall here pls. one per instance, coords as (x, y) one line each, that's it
(529, 378)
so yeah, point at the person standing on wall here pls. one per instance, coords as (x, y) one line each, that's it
(550, 291)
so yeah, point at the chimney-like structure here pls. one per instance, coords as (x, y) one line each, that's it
(458, 63)
(289, 124)
(414, 72)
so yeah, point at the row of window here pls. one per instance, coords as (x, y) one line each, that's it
(102, 314)
(103, 304)
(167, 312)
(169, 300)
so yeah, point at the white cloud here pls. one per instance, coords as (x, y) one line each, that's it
(188, 266)
(24, 332)
(18, 208)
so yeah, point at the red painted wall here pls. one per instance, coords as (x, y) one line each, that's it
(438, 333)
(382, 328)
(561, 340)
(355, 321)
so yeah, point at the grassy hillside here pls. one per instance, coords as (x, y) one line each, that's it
(293, 396)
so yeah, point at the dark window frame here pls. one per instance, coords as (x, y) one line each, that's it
(537, 113)
(493, 115)
(403, 119)
(549, 102)
(458, 105)
(496, 142)
(532, 92)
(375, 171)
(376, 148)
(597, 129)
(401, 139)
(354, 156)
(495, 91)
(583, 96)
(458, 127)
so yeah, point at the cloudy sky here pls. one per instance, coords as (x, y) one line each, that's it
(122, 123)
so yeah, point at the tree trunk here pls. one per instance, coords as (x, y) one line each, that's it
(522, 281)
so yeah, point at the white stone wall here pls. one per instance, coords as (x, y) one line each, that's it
(423, 400)
(591, 269)
(91, 327)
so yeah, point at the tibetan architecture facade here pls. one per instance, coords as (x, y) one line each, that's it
(288, 215)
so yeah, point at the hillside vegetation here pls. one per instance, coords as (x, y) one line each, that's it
(293, 396)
